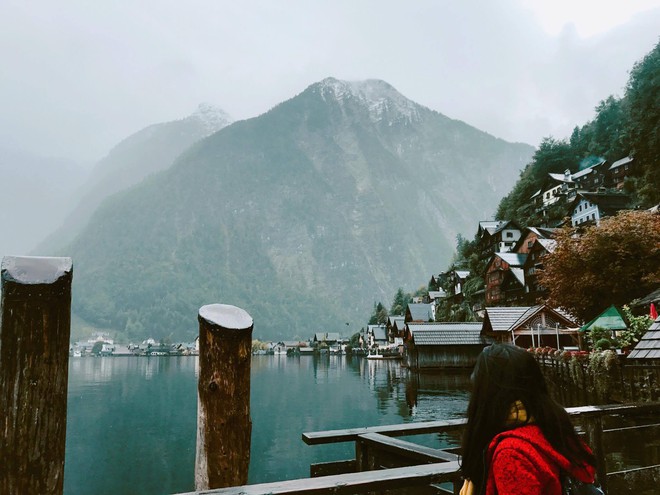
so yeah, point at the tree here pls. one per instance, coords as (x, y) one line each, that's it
(401, 300)
(613, 263)
(379, 315)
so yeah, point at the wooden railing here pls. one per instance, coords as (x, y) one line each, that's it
(386, 463)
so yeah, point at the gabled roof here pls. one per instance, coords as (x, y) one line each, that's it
(333, 336)
(395, 319)
(437, 294)
(611, 319)
(560, 177)
(489, 226)
(419, 312)
(623, 161)
(445, 333)
(548, 244)
(380, 333)
(649, 345)
(462, 273)
(504, 319)
(519, 274)
(513, 259)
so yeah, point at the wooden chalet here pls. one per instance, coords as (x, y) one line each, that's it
(618, 171)
(377, 335)
(442, 345)
(531, 326)
(505, 271)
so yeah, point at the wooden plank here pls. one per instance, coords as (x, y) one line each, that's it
(350, 434)
(406, 449)
(332, 468)
(642, 479)
(426, 427)
(349, 484)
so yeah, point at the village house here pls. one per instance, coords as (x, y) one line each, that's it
(590, 207)
(504, 271)
(442, 345)
(558, 187)
(395, 326)
(539, 249)
(497, 236)
(376, 336)
(531, 326)
(529, 235)
(618, 171)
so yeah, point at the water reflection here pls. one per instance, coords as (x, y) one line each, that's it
(132, 421)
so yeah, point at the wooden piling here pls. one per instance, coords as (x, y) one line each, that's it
(223, 418)
(34, 359)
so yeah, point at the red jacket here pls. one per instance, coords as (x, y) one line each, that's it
(522, 462)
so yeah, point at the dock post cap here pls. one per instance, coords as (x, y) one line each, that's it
(226, 316)
(35, 269)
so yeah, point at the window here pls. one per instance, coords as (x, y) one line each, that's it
(529, 244)
(509, 235)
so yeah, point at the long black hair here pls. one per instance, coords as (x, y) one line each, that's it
(503, 375)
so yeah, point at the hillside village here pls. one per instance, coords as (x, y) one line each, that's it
(506, 302)
(507, 307)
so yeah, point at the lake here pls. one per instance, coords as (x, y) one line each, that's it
(132, 421)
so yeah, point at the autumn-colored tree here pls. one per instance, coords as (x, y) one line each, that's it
(613, 263)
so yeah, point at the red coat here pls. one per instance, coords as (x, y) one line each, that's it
(522, 462)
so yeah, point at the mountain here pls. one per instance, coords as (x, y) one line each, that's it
(148, 151)
(303, 216)
(36, 193)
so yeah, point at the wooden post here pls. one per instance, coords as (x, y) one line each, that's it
(34, 361)
(223, 417)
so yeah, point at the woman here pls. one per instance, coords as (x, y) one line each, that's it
(518, 440)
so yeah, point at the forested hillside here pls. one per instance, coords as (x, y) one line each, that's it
(624, 126)
(299, 216)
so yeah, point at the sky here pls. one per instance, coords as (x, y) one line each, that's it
(77, 77)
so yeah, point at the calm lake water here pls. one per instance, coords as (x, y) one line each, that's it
(132, 421)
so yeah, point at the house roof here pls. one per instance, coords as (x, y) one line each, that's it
(609, 202)
(333, 336)
(649, 345)
(513, 259)
(653, 297)
(395, 319)
(623, 161)
(462, 273)
(611, 319)
(462, 333)
(419, 312)
(489, 226)
(437, 294)
(504, 319)
(519, 274)
(319, 336)
(548, 244)
(560, 177)
(380, 332)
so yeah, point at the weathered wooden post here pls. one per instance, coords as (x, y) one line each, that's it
(223, 417)
(34, 360)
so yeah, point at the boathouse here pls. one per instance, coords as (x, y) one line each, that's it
(531, 326)
(442, 345)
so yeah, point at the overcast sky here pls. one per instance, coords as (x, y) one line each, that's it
(77, 76)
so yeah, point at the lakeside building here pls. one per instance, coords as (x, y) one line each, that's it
(442, 345)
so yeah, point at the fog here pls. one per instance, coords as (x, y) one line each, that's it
(78, 77)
